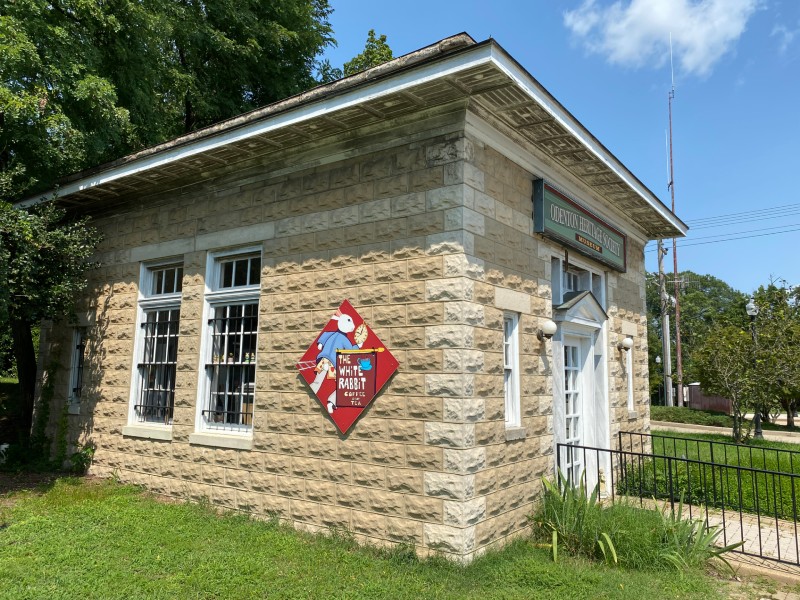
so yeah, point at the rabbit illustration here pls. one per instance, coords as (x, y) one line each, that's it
(331, 341)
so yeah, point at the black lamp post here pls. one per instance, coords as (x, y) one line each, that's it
(752, 312)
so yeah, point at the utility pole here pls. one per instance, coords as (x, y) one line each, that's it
(678, 354)
(665, 331)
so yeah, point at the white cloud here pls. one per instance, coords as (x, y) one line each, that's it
(636, 32)
(785, 36)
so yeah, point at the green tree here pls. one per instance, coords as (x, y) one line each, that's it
(84, 82)
(756, 364)
(42, 263)
(57, 115)
(376, 52)
(776, 330)
(706, 302)
(726, 364)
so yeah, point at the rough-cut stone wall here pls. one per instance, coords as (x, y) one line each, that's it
(431, 240)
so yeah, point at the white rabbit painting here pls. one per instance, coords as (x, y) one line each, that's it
(346, 389)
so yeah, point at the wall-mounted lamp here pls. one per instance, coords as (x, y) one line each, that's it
(547, 331)
(625, 344)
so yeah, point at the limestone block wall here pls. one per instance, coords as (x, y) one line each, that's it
(428, 233)
(511, 271)
(629, 311)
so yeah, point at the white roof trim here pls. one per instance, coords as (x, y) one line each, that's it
(477, 55)
(325, 106)
(533, 89)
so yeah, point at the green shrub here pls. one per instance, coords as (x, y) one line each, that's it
(688, 542)
(691, 416)
(677, 414)
(571, 520)
(82, 459)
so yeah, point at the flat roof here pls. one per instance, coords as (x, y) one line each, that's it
(455, 68)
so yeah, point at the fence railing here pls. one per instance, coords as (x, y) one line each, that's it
(752, 506)
(771, 459)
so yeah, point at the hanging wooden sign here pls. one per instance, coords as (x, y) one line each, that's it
(346, 366)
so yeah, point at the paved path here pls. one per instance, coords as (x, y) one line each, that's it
(777, 539)
(774, 436)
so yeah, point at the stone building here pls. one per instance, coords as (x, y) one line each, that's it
(464, 213)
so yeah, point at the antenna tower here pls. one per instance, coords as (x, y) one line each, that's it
(678, 355)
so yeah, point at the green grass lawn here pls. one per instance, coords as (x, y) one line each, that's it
(98, 539)
(752, 489)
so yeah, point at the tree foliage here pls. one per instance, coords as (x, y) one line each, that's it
(756, 365)
(376, 52)
(725, 361)
(85, 82)
(43, 258)
(777, 347)
(705, 302)
(82, 83)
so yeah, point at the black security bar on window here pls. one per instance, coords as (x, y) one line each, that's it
(158, 367)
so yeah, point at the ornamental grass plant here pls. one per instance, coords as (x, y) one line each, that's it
(570, 520)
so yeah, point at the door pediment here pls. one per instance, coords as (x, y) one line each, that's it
(580, 308)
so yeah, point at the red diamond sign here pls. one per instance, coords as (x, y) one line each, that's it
(346, 366)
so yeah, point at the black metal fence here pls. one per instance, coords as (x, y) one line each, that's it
(754, 506)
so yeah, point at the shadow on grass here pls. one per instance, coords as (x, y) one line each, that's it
(28, 481)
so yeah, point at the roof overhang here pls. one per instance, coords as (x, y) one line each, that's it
(456, 68)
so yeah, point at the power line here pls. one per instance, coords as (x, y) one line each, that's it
(730, 239)
(748, 212)
(745, 219)
(730, 233)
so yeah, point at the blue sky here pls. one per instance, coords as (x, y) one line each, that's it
(736, 113)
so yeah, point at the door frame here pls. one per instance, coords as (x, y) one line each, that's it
(586, 322)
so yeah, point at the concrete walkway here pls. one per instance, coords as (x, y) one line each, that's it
(773, 436)
(777, 539)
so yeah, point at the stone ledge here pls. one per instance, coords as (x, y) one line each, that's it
(74, 408)
(516, 433)
(221, 440)
(151, 433)
(633, 414)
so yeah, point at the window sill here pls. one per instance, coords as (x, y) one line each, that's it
(516, 433)
(633, 414)
(222, 440)
(151, 433)
(74, 408)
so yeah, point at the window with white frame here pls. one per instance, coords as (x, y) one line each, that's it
(629, 377)
(159, 324)
(568, 277)
(76, 364)
(511, 369)
(230, 342)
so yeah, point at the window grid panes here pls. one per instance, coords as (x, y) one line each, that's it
(156, 397)
(166, 280)
(572, 410)
(510, 381)
(230, 366)
(242, 271)
(78, 353)
(571, 281)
